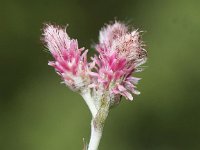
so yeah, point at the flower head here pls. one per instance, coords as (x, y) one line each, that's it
(121, 53)
(69, 62)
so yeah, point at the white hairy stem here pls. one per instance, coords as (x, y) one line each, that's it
(89, 101)
(98, 121)
(95, 138)
(98, 117)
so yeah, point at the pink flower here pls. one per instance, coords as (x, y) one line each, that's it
(69, 62)
(107, 78)
(120, 54)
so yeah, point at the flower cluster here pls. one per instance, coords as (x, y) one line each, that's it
(120, 54)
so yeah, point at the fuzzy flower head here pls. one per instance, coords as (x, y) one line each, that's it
(121, 53)
(69, 62)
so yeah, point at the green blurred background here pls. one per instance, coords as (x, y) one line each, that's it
(39, 113)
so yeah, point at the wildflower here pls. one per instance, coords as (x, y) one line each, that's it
(107, 78)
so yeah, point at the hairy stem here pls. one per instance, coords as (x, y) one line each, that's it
(97, 123)
(89, 101)
(95, 138)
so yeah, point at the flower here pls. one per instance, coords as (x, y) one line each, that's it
(120, 54)
(107, 78)
(69, 61)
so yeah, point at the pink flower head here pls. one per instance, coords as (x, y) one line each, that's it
(120, 54)
(69, 62)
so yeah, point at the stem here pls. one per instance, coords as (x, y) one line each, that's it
(95, 138)
(99, 117)
(97, 123)
(89, 101)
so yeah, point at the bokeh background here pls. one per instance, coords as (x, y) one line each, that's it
(39, 113)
